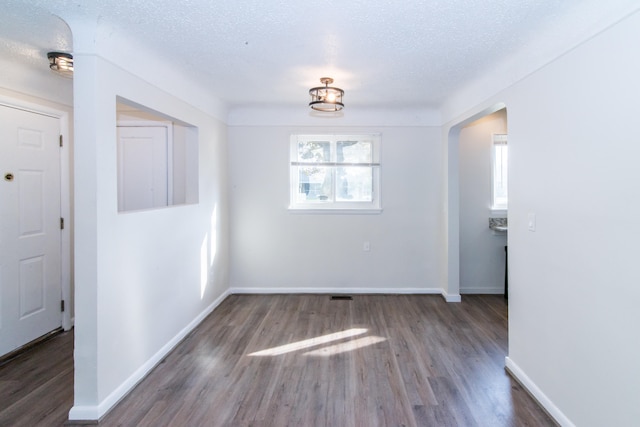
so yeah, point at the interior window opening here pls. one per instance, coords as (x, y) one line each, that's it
(157, 159)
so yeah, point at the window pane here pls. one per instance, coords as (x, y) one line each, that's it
(354, 183)
(500, 168)
(314, 151)
(314, 184)
(354, 151)
(334, 172)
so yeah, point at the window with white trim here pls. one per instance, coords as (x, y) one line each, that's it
(499, 175)
(335, 172)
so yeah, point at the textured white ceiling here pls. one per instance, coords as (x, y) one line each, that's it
(402, 53)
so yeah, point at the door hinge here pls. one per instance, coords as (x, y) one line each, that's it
(61, 223)
(62, 305)
(60, 140)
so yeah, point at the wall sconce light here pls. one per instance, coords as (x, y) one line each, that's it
(61, 63)
(326, 98)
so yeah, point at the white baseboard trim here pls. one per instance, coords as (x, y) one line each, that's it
(451, 297)
(537, 394)
(83, 413)
(90, 413)
(487, 290)
(357, 291)
(328, 290)
(70, 325)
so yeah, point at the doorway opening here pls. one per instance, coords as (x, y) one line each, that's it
(483, 225)
(453, 201)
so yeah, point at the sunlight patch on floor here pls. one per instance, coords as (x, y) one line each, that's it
(301, 345)
(345, 346)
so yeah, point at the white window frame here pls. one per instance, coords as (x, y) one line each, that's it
(498, 204)
(334, 206)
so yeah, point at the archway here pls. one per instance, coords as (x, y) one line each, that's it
(452, 292)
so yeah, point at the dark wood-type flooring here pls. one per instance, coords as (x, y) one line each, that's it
(36, 388)
(305, 360)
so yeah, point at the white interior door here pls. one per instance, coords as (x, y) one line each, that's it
(143, 162)
(30, 236)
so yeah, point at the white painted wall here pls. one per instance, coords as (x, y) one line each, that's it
(143, 278)
(36, 80)
(573, 317)
(273, 249)
(482, 255)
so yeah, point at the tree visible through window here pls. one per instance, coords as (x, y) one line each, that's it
(335, 172)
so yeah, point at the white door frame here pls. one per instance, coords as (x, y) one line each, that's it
(65, 196)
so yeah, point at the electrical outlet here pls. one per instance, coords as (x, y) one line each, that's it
(366, 246)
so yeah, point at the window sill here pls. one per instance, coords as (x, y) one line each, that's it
(334, 211)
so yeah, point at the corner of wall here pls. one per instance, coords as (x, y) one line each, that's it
(519, 375)
(86, 413)
(451, 297)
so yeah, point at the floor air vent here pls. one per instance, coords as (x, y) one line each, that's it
(341, 297)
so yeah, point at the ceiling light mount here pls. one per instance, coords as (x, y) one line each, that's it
(326, 98)
(61, 63)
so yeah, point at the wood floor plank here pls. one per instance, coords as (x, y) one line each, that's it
(36, 388)
(307, 360)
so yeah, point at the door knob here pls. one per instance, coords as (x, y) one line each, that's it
(8, 177)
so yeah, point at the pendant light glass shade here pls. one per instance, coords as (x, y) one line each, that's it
(326, 98)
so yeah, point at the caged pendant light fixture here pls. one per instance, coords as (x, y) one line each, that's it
(326, 98)
(61, 63)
